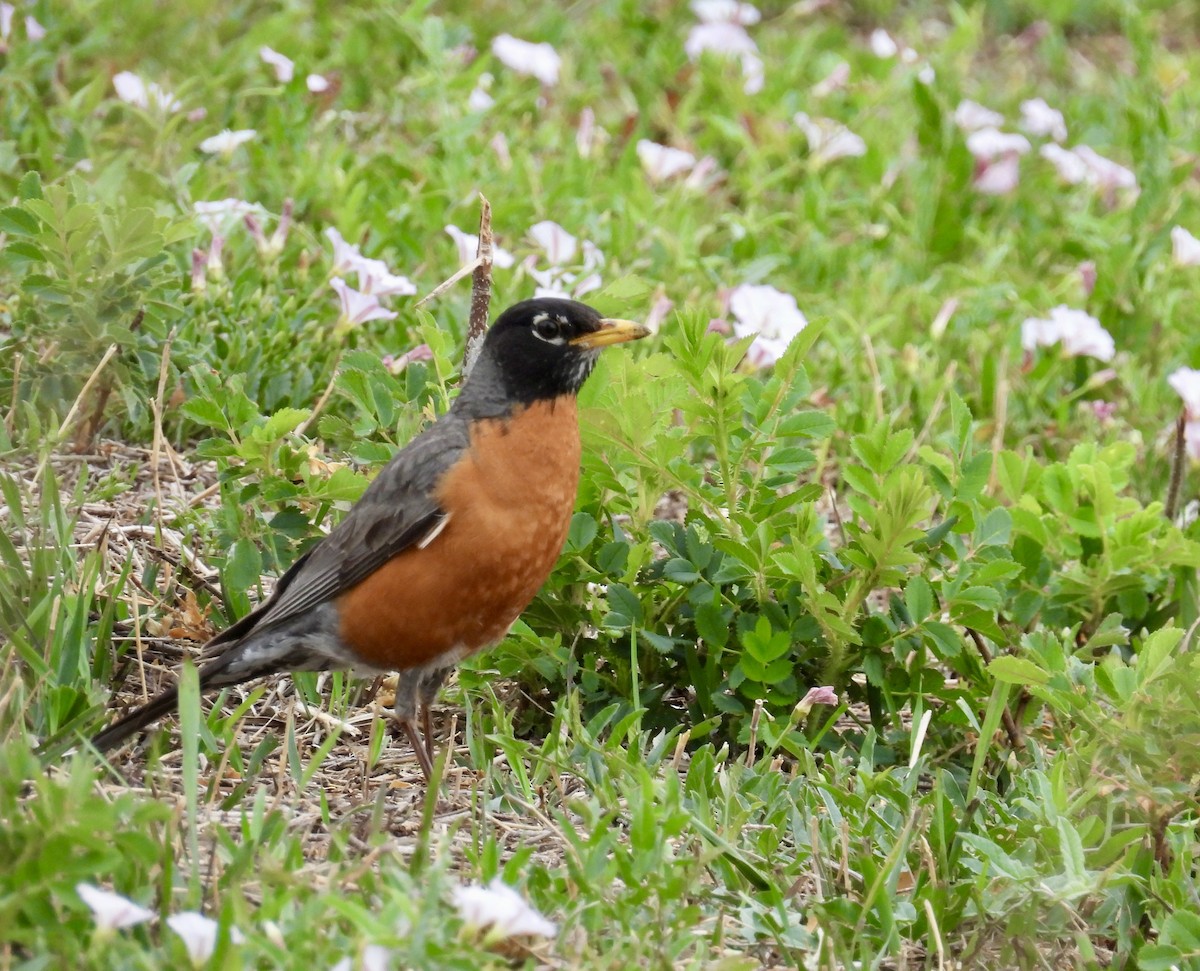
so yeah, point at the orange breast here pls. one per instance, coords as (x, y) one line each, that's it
(509, 502)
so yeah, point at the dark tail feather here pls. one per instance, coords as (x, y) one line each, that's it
(166, 702)
(136, 720)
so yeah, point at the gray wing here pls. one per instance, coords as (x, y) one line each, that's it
(398, 509)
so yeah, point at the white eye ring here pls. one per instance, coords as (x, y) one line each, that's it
(546, 328)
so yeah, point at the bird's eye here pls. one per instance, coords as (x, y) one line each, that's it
(548, 328)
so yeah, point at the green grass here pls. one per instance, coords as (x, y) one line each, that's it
(906, 506)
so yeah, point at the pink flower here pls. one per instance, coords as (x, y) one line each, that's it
(1104, 173)
(501, 910)
(986, 144)
(346, 256)
(285, 70)
(1087, 276)
(396, 364)
(1079, 333)
(998, 178)
(971, 116)
(1185, 248)
(537, 60)
(661, 162)
(1042, 121)
(728, 39)
(771, 315)
(377, 280)
(658, 312)
(33, 30)
(358, 308)
(1103, 410)
(316, 83)
(7, 10)
(997, 160)
(829, 140)
(145, 95)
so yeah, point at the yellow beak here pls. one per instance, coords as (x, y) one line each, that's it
(612, 331)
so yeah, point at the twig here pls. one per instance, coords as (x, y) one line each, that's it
(157, 407)
(11, 418)
(1178, 468)
(79, 399)
(321, 401)
(481, 288)
(449, 282)
(1010, 725)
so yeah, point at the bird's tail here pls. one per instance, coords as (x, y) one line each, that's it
(215, 674)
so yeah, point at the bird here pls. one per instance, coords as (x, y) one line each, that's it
(449, 543)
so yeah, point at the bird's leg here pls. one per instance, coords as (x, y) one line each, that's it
(407, 685)
(430, 683)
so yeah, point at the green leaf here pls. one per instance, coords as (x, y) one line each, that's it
(19, 221)
(1017, 670)
(918, 598)
(243, 568)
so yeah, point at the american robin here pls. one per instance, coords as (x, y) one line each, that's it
(449, 543)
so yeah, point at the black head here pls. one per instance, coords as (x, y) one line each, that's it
(543, 348)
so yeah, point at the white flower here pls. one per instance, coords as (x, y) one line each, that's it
(133, 90)
(1042, 121)
(1191, 439)
(558, 245)
(480, 100)
(771, 315)
(971, 116)
(538, 60)
(199, 935)
(1071, 168)
(316, 83)
(375, 957)
(926, 74)
(728, 40)
(828, 139)
(7, 10)
(358, 308)
(1079, 333)
(1185, 248)
(1186, 383)
(346, 256)
(989, 143)
(726, 11)
(882, 44)
(110, 910)
(468, 246)
(662, 162)
(227, 141)
(835, 80)
(285, 70)
(220, 216)
(502, 910)
(33, 30)
(1104, 173)
(376, 279)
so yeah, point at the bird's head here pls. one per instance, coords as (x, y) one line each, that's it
(544, 348)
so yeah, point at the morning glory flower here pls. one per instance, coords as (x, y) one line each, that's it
(971, 116)
(537, 60)
(661, 162)
(316, 83)
(1079, 333)
(357, 307)
(500, 910)
(1042, 121)
(199, 935)
(110, 910)
(142, 94)
(771, 315)
(468, 246)
(284, 68)
(1185, 248)
(227, 142)
(829, 140)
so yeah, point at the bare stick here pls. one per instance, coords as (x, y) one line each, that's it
(321, 401)
(1178, 468)
(164, 367)
(481, 288)
(449, 282)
